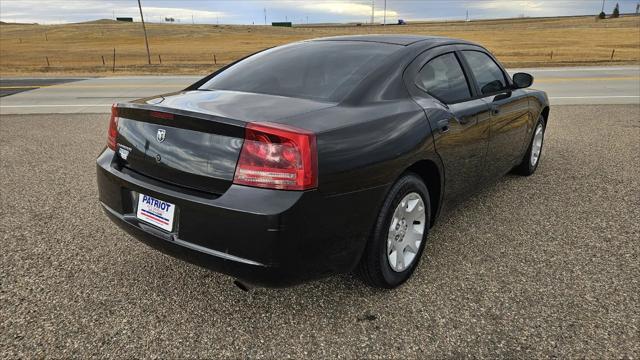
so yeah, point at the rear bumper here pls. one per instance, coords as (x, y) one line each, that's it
(264, 237)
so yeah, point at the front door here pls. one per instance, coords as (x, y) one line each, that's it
(509, 113)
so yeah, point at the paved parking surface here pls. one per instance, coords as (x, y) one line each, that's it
(530, 267)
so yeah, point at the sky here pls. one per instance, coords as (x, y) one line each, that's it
(297, 11)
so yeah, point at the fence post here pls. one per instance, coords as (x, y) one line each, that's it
(45, 36)
(102, 56)
(160, 59)
(612, 53)
(114, 60)
(215, 62)
(551, 54)
(46, 57)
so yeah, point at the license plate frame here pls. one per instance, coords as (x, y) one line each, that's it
(156, 212)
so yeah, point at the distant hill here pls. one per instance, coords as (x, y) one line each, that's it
(15, 23)
(101, 21)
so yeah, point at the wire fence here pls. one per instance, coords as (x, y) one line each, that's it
(114, 59)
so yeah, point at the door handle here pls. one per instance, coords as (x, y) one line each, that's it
(443, 125)
(495, 110)
(464, 120)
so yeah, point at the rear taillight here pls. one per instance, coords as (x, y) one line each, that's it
(113, 128)
(277, 157)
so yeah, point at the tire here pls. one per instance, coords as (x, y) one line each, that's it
(530, 161)
(379, 267)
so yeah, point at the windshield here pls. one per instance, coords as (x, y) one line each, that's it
(322, 70)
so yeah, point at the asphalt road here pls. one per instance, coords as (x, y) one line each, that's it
(544, 266)
(90, 95)
(12, 86)
(585, 85)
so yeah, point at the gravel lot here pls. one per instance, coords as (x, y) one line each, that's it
(530, 267)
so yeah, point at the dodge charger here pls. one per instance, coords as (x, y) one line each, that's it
(319, 157)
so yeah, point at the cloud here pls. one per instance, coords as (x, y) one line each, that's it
(508, 5)
(535, 7)
(176, 13)
(56, 11)
(347, 9)
(251, 11)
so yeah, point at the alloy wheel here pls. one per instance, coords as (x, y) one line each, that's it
(406, 232)
(536, 146)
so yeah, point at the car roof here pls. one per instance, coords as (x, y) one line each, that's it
(395, 39)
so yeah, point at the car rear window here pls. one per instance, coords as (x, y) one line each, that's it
(321, 70)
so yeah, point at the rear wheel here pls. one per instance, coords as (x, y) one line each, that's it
(399, 235)
(531, 159)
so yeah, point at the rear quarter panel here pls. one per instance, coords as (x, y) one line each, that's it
(368, 146)
(361, 152)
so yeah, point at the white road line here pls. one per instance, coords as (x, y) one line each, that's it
(594, 97)
(575, 69)
(52, 105)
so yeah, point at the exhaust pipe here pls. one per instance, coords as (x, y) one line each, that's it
(243, 286)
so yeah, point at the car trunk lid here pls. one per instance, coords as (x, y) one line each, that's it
(193, 138)
(182, 148)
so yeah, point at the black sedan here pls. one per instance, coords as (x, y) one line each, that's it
(319, 157)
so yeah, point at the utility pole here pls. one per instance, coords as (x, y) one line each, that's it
(192, 21)
(144, 28)
(602, 6)
(265, 16)
(384, 22)
(372, 7)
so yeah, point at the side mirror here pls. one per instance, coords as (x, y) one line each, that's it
(522, 80)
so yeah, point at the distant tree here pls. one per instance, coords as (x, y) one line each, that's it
(602, 15)
(616, 11)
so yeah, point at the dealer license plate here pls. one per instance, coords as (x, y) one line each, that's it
(156, 212)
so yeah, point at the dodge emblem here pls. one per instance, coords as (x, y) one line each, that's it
(160, 135)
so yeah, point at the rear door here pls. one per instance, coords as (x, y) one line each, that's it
(459, 122)
(509, 111)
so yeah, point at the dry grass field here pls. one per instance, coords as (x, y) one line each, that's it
(189, 49)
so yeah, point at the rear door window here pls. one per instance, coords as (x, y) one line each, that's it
(443, 78)
(488, 74)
